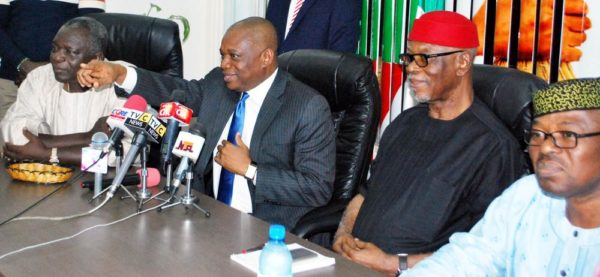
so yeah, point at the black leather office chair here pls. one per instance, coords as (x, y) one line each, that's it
(147, 42)
(349, 85)
(507, 92)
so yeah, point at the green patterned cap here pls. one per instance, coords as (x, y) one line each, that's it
(576, 94)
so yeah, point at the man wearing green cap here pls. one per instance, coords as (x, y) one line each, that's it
(547, 224)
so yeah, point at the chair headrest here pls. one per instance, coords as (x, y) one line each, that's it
(337, 76)
(507, 92)
(147, 42)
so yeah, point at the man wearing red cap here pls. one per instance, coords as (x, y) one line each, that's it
(439, 164)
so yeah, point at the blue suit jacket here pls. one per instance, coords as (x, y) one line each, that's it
(320, 24)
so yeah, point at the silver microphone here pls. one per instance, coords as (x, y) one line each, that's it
(99, 142)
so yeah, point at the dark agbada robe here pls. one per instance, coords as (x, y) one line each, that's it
(432, 178)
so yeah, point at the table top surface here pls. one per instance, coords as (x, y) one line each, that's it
(177, 241)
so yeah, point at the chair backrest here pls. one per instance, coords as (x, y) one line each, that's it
(349, 85)
(508, 92)
(147, 42)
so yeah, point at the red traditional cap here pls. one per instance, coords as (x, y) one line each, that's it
(446, 29)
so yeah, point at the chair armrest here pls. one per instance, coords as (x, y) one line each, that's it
(323, 219)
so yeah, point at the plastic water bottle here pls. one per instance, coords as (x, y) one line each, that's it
(275, 258)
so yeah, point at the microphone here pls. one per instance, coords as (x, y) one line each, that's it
(99, 141)
(128, 180)
(145, 126)
(176, 115)
(188, 147)
(134, 107)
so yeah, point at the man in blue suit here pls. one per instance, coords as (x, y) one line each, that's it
(283, 159)
(318, 24)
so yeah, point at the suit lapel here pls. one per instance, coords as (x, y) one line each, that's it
(225, 109)
(268, 111)
(303, 10)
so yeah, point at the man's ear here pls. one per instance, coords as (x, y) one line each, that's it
(464, 62)
(266, 57)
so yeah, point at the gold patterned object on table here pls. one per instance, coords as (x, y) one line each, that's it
(39, 173)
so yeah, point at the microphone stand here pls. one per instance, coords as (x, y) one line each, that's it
(188, 199)
(97, 183)
(118, 147)
(167, 187)
(143, 193)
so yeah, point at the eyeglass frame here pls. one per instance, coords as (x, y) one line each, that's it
(527, 134)
(411, 57)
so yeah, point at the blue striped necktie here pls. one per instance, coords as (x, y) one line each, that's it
(237, 125)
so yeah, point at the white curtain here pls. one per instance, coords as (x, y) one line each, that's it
(236, 10)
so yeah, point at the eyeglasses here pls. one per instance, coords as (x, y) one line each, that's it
(561, 139)
(421, 59)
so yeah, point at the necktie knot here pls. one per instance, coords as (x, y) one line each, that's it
(245, 96)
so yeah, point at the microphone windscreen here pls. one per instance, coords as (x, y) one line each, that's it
(136, 102)
(99, 138)
(153, 177)
(179, 96)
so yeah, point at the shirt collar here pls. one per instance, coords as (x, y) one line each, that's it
(259, 93)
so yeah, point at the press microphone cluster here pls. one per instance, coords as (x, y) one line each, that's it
(144, 126)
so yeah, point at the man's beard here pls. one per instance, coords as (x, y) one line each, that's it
(420, 99)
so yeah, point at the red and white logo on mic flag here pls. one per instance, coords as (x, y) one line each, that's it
(176, 111)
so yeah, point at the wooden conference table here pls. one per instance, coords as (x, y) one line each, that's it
(151, 244)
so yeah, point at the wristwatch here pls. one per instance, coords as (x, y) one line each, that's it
(402, 263)
(251, 171)
(54, 156)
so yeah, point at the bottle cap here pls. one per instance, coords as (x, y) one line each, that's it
(277, 232)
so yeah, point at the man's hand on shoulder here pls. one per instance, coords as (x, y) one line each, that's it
(35, 149)
(99, 73)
